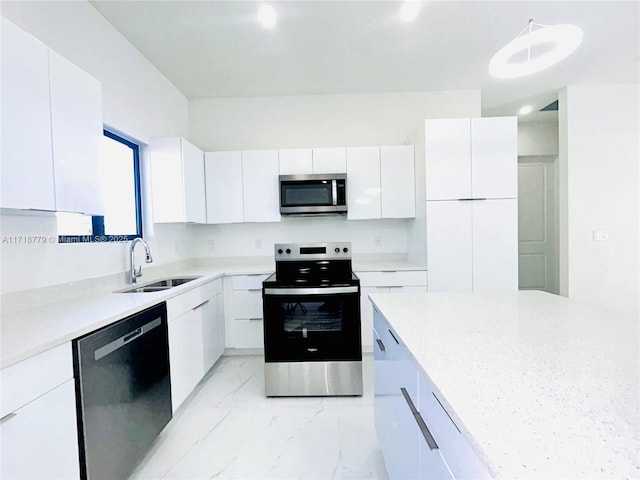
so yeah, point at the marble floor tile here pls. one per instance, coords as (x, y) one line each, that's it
(228, 429)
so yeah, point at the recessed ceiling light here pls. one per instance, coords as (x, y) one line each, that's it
(563, 38)
(409, 10)
(267, 16)
(525, 110)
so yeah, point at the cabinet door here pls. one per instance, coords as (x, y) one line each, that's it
(495, 244)
(167, 180)
(449, 246)
(448, 158)
(194, 190)
(295, 161)
(223, 178)
(210, 340)
(494, 157)
(330, 160)
(260, 186)
(398, 182)
(186, 356)
(27, 165)
(41, 440)
(76, 122)
(363, 185)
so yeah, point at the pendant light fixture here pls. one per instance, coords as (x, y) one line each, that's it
(564, 38)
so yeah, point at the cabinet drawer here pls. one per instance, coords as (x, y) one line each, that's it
(246, 333)
(454, 448)
(247, 304)
(248, 282)
(35, 376)
(393, 278)
(186, 301)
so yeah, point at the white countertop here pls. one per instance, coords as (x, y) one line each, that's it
(30, 331)
(542, 387)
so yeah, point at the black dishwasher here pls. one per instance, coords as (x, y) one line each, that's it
(123, 392)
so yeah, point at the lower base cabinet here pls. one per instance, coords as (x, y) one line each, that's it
(417, 438)
(40, 439)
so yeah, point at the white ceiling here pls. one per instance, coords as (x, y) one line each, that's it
(217, 49)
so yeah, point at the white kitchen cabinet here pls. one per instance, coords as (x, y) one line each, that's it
(52, 129)
(38, 412)
(213, 327)
(397, 182)
(177, 181)
(295, 161)
(186, 356)
(76, 122)
(223, 173)
(26, 159)
(244, 318)
(330, 160)
(405, 415)
(260, 187)
(390, 281)
(448, 158)
(363, 183)
(472, 245)
(471, 158)
(494, 155)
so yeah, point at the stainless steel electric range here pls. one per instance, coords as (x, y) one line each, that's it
(312, 343)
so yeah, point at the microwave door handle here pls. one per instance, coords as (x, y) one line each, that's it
(334, 192)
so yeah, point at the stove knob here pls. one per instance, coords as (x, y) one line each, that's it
(288, 250)
(280, 251)
(337, 250)
(345, 249)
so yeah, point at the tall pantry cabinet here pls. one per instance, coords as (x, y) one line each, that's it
(472, 206)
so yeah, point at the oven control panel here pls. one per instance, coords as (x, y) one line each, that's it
(312, 251)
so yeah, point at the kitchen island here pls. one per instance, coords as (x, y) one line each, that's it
(537, 385)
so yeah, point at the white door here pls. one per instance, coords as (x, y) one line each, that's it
(295, 161)
(194, 185)
(537, 226)
(448, 158)
(449, 246)
(330, 160)
(495, 244)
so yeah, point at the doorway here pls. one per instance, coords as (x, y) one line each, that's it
(538, 223)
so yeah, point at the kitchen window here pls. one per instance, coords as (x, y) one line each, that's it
(120, 177)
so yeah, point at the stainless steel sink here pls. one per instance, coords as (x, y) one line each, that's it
(158, 285)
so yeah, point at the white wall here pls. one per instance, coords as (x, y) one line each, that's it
(600, 163)
(540, 136)
(137, 100)
(317, 121)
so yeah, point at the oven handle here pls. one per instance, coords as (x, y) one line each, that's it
(309, 291)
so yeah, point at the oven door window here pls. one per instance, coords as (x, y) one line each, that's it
(312, 327)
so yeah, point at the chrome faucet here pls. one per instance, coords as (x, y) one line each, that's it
(138, 273)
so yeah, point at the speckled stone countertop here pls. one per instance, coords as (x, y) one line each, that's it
(541, 386)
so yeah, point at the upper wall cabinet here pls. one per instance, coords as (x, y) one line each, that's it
(295, 161)
(178, 185)
(242, 186)
(223, 174)
(398, 181)
(330, 160)
(27, 164)
(76, 122)
(260, 187)
(381, 182)
(51, 129)
(471, 158)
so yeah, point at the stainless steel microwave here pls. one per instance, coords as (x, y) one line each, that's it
(316, 194)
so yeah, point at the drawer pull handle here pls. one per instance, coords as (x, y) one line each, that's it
(381, 345)
(254, 290)
(253, 319)
(420, 421)
(470, 199)
(389, 271)
(8, 417)
(201, 305)
(394, 337)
